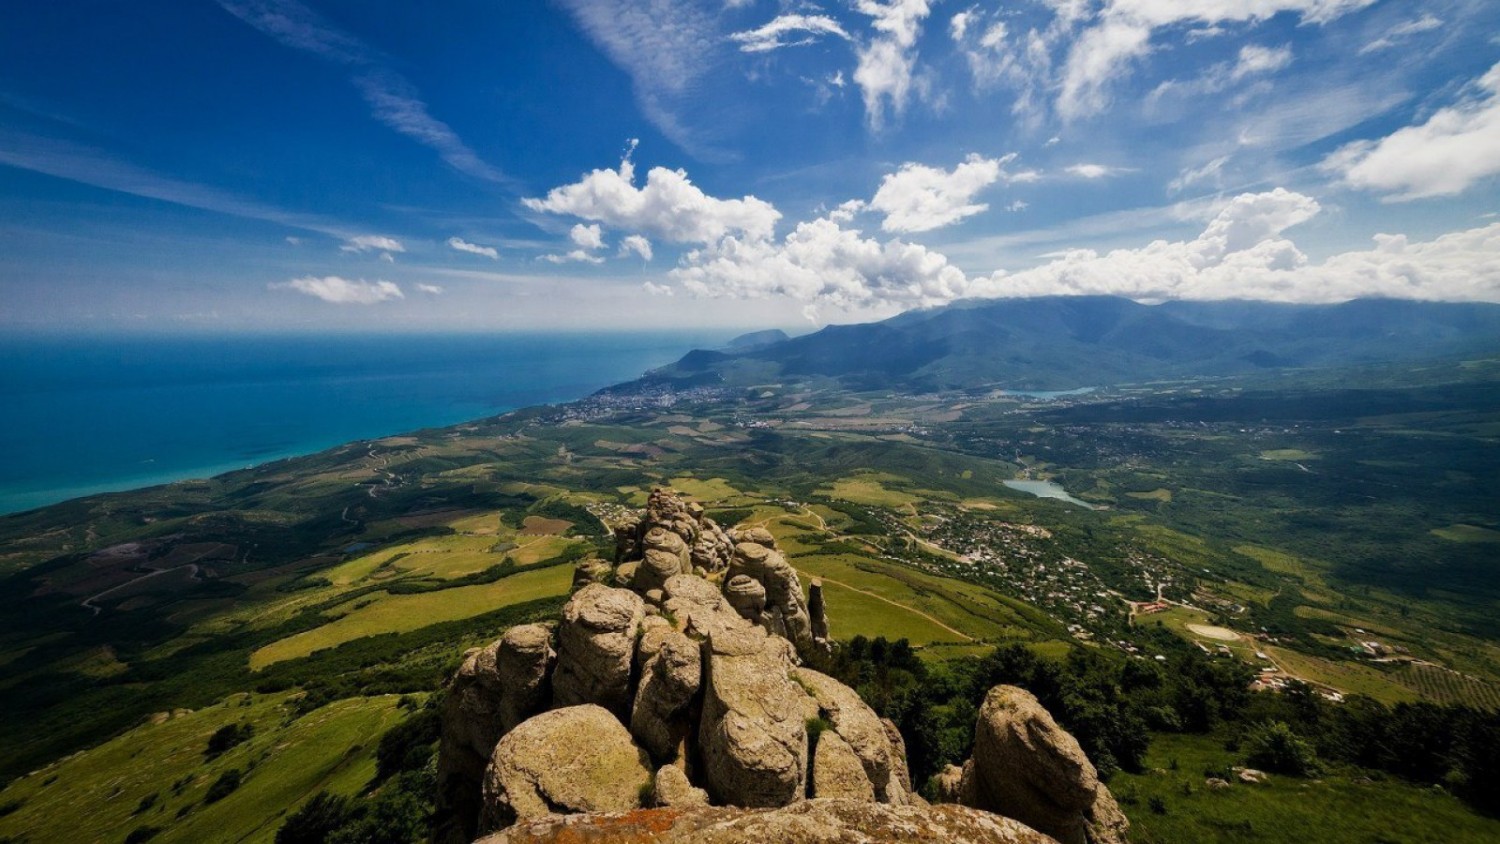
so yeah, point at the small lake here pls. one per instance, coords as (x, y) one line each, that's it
(1049, 394)
(1048, 489)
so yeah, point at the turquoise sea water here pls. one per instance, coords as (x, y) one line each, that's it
(80, 415)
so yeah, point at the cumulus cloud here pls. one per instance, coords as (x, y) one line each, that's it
(342, 291)
(658, 289)
(822, 262)
(1242, 254)
(668, 207)
(788, 31)
(462, 245)
(637, 245)
(589, 237)
(372, 243)
(886, 61)
(1122, 31)
(919, 198)
(1453, 149)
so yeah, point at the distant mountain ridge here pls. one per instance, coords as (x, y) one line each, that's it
(1066, 342)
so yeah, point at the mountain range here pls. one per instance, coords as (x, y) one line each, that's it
(1067, 342)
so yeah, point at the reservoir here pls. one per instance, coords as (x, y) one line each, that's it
(1048, 489)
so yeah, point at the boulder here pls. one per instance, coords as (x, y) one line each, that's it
(523, 662)
(824, 821)
(816, 610)
(577, 759)
(898, 788)
(1027, 767)
(948, 785)
(837, 772)
(591, 570)
(752, 733)
(659, 718)
(673, 789)
(855, 722)
(595, 644)
(747, 596)
(713, 548)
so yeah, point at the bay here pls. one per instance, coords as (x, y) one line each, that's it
(87, 414)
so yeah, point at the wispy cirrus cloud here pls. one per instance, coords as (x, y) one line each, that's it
(788, 31)
(91, 166)
(392, 99)
(372, 243)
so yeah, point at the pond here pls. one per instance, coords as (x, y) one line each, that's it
(1048, 489)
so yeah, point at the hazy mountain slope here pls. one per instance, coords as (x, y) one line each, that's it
(1066, 342)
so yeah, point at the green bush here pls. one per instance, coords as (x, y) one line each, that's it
(1273, 746)
(223, 786)
(316, 820)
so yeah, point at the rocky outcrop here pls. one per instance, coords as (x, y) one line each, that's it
(753, 732)
(495, 689)
(675, 679)
(824, 821)
(1027, 767)
(577, 759)
(596, 643)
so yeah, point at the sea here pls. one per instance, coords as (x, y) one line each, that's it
(86, 414)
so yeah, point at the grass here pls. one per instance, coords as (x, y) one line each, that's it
(870, 490)
(1161, 494)
(400, 613)
(1466, 533)
(713, 489)
(972, 610)
(1347, 677)
(1338, 808)
(284, 763)
(1287, 454)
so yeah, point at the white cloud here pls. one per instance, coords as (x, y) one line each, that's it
(1255, 59)
(393, 100)
(884, 72)
(1123, 29)
(293, 240)
(1400, 32)
(575, 256)
(822, 262)
(772, 35)
(657, 289)
(342, 291)
(1190, 176)
(635, 244)
(1455, 148)
(668, 207)
(918, 198)
(429, 289)
(1241, 255)
(664, 45)
(589, 237)
(372, 243)
(1096, 171)
(462, 245)
(1018, 205)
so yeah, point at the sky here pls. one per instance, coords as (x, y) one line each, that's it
(336, 165)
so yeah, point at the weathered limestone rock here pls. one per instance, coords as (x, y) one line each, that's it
(470, 729)
(807, 822)
(856, 723)
(591, 570)
(595, 644)
(698, 607)
(672, 789)
(747, 596)
(659, 720)
(817, 612)
(755, 536)
(949, 785)
(837, 772)
(898, 787)
(752, 733)
(578, 759)
(1027, 767)
(713, 548)
(523, 661)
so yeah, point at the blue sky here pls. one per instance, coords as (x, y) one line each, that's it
(337, 165)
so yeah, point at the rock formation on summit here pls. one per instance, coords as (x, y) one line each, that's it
(673, 690)
(1027, 767)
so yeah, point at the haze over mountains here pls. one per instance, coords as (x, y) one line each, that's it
(1068, 342)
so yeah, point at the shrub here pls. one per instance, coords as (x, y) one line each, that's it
(141, 834)
(1273, 746)
(223, 786)
(226, 738)
(315, 820)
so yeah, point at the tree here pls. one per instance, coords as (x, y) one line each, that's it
(1273, 746)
